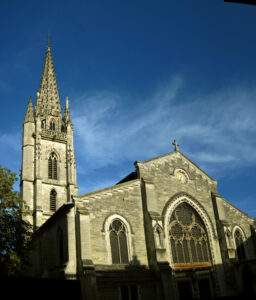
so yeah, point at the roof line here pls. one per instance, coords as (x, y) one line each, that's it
(118, 185)
(173, 152)
(231, 204)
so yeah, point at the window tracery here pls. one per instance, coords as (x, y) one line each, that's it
(118, 242)
(188, 236)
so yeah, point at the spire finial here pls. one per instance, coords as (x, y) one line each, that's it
(176, 146)
(67, 103)
(48, 41)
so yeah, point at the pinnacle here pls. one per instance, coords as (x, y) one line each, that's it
(29, 116)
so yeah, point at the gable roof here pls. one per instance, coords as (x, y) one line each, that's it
(184, 156)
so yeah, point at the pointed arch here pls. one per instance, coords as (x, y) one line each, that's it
(53, 200)
(189, 232)
(158, 236)
(43, 124)
(118, 239)
(52, 125)
(239, 238)
(53, 166)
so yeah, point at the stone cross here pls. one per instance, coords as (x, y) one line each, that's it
(176, 146)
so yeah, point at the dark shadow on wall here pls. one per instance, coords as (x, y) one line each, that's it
(49, 247)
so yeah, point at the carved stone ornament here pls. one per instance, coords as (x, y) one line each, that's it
(182, 176)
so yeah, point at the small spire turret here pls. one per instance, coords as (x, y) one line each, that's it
(67, 104)
(67, 116)
(29, 116)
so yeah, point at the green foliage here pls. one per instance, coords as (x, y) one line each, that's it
(14, 231)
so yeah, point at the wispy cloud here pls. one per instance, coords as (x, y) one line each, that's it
(217, 130)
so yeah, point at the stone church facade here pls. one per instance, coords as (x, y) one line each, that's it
(162, 232)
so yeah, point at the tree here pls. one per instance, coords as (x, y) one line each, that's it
(14, 231)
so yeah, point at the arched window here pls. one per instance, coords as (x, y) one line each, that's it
(188, 236)
(240, 251)
(52, 166)
(53, 197)
(43, 124)
(52, 125)
(118, 242)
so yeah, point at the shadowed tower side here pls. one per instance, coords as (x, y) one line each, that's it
(48, 171)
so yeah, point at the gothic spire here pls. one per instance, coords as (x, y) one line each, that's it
(48, 101)
(29, 116)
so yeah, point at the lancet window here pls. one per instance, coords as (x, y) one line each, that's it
(118, 242)
(188, 236)
(52, 125)
(53, 200)
(52, 166)
(43, 124)
(240, 251)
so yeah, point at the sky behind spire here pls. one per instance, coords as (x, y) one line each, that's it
(138, 74)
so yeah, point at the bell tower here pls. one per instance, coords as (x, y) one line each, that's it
(48, 171)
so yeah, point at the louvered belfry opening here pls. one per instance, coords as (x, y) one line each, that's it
(240, 251)
(188, 237)
(53, 198)
(52, 166)
(118, 242)
(52, 125)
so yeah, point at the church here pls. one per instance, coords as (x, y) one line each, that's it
(162, 232)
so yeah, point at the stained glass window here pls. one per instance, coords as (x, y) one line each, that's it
(118, 242)
(187, 236)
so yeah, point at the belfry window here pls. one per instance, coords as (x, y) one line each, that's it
(188, 237)
(53, 198)
(43, 123)
(52, 166)
(52, 125)
(240, 251)
(118, 242)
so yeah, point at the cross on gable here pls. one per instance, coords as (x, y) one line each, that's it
(176, 145)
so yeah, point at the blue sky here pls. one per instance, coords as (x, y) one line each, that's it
(138, 74)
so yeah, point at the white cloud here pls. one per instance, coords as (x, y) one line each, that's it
(218, 131)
